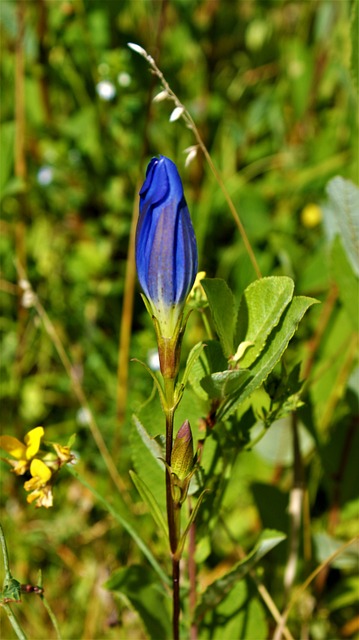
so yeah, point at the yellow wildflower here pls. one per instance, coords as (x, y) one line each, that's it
(38, 485)
(23, 452)
(197, 293)
(311, 215)
(42, 465)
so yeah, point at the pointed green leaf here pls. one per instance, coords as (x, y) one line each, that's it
(193, 356)
(148, 497)
(260, 310)
(219, 589)
(223, 383)
(222, 305)
(346, 280)
(274, 348)
(151, 444)
(240, 616)
(140, 587)
(210, 360)
(155, 380)
(145, 452)
(341, 216)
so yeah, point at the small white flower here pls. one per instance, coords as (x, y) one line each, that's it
(162, 95)
(137, 48)
(24, 284)
(176, 113)
(191, 154)
(45, 175)
(28, 299)
(83, 416)
(106, 90)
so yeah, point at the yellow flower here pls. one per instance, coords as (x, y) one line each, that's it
(41, 490)
(23, 452)
(197, 293)
(42, 465)
(63, 453)
(311, 215)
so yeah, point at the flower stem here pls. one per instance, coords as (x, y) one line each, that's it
(173, 511)
(5, 555)
(176, 597)
(14, 623)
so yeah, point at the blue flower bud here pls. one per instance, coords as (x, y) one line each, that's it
(166, 249)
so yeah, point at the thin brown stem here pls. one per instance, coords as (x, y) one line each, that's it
(20, 170)
(173, 510)
(176, 597)
(184, 113)
(295, 596)
(126, 324)
(192, 575)
(172, 529)
(76, 384)
(295, 509)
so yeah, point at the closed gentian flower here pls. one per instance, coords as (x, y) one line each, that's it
(182, 452)
(166, 249)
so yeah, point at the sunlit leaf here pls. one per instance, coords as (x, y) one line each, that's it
(275, 346)
(260, 310)
(221, 302)
(341, 216)
(218, 590)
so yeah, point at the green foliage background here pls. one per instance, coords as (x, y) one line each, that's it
(272, 86)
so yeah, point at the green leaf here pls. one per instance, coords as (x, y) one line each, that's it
(140, 586)
(151, 501)
(271, 354)
(241, 615)
(260, 310)
(7, 135)
(191, 360)
(222, 383)
(218, 590)
(325, 545)
(346, 280)
(151, 444)
(145, 453)
(276, 446)
(210, 360)
(155, 380)
(222, 305)
(11, 591)
(354, 39)
(344, 594)
(341, 216)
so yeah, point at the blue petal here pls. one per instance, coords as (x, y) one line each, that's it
(166, 250)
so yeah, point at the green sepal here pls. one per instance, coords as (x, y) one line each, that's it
(192, 358)
(155, 380)
(11, 591)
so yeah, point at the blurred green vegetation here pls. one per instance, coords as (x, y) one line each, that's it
(272, 86)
